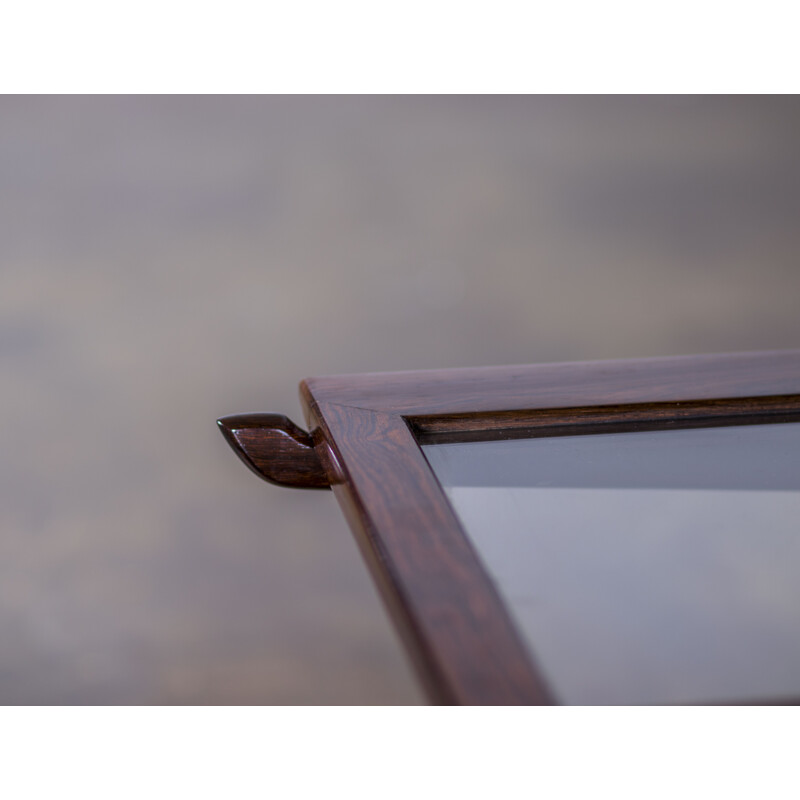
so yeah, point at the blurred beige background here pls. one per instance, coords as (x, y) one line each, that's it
(165, 261)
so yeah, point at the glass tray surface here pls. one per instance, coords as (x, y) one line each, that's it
(643, 567)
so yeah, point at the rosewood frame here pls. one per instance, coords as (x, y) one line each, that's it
(367, 431)
(365, 442)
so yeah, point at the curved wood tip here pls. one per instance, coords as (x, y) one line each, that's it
(275, 449)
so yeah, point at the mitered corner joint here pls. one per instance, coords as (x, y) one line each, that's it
(275, 449)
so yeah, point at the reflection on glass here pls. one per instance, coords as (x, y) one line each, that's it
(643, 567)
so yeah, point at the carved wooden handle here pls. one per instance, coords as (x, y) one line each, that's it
(275, 449)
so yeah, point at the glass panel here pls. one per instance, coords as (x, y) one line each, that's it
(643, 567)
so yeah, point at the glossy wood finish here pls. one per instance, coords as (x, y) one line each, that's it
(489, 390)
(275, 449)
(367, 430)
(602, 419)
(427, 571)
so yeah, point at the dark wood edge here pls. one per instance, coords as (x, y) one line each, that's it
(527, 423)
(492, 390)
(447, 610)
(456, 627)
(273, 447)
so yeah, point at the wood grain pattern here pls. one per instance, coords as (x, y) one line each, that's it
(275, 449)
(571, 385)
(413, 542)
(455, 626)
(447, 428)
